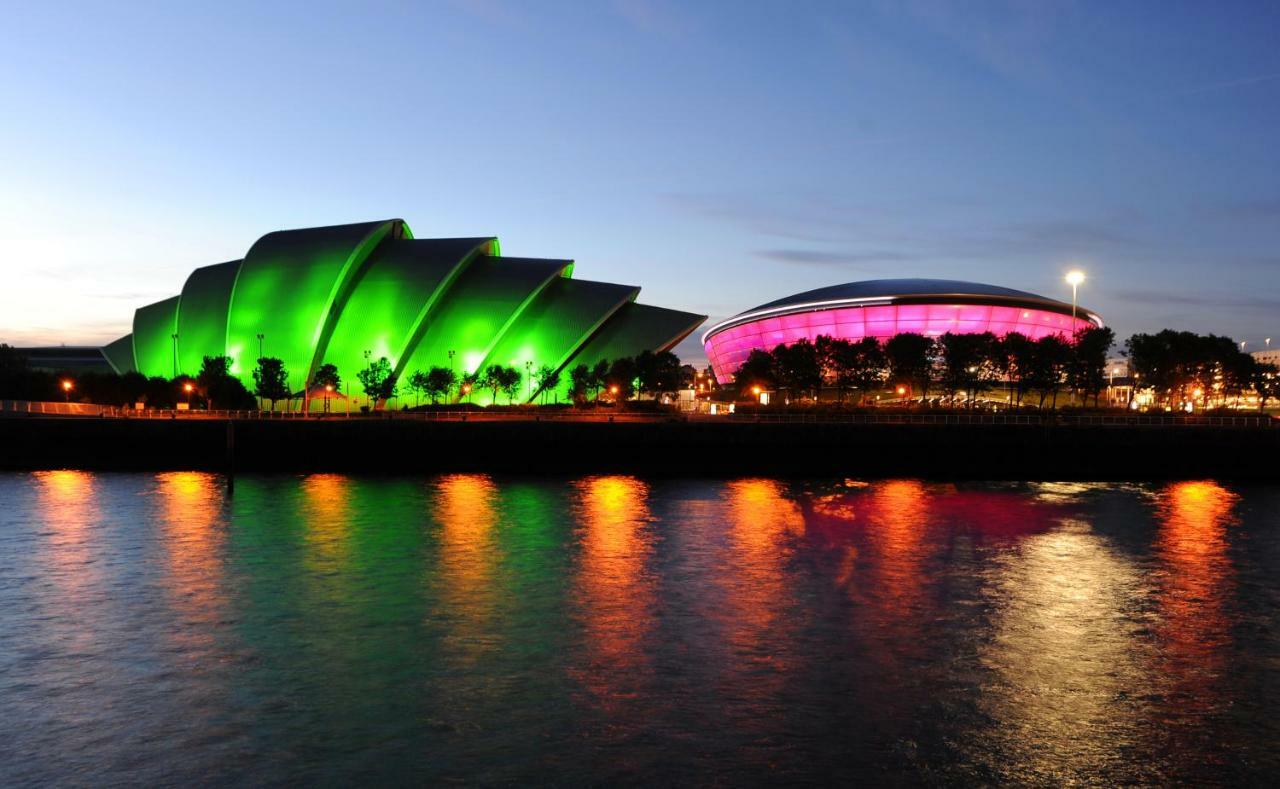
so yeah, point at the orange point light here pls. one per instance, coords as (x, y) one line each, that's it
(328, 387)
(755, 390)
(66, 386)
(187, 386)
(613, 390)
(902, 390)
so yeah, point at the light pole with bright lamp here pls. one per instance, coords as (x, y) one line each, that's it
(187, 387)
(1074, 278)
(67, 386)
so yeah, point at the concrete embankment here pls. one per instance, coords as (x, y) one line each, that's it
(1014, 452)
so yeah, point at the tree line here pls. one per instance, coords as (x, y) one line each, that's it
(215, 387)
(1178, 367)
(914, 366)
(1184, 367)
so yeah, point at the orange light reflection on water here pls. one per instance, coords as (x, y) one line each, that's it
(190, 517)
(68, 504)
(613, 582)
(466, 506)
(764, 525)
(1195, 581)
(326, 515)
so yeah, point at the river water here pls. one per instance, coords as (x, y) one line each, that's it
(159, 628)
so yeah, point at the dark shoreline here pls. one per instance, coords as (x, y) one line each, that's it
(988, 452)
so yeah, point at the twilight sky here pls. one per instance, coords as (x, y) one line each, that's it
(719, 154)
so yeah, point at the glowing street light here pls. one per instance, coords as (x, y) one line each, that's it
(67, 386)
(188, 388)
(327, 389)
(1074, 278)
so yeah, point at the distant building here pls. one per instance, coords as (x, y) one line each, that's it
(351, 294)
(1270, 356)
(66, 359)
(886, 307)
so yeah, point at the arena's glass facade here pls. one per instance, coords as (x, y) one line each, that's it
(349, 294)
(884, 308)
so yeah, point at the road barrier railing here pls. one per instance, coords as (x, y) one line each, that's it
(34, 408)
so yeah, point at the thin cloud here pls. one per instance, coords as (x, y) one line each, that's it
(1230, 84)
(654, 16)
(818, 257)
(1199, 300)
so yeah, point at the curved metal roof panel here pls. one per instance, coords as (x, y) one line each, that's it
(892, 288)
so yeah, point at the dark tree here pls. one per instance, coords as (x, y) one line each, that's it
(757, 370)
(1088, 366)
(866, 364)
(493, 379)
(797, 367)
(1013, 358)
(580, 383)
(327, 375)
(378, 381)
(621, 378)
(219, 386)
(658, 373)
(546, 378)
(1265, 382)
(911, 359)
(271, 380)
(599, 374)
(511, 380)
(417, 385)
(1049, 360)
(438, 383)
(968, 363)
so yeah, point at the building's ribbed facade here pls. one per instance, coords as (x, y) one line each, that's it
(349, 293)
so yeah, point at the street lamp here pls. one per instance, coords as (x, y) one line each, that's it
(187, 387)
(451, 353)
(260, 336)
(1074, 278)
(67, 386)
(327, 389)
(528, 377)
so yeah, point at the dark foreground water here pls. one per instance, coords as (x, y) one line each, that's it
(158, 629)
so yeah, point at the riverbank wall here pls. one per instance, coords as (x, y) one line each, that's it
(685, 448)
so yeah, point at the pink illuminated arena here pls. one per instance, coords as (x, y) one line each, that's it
(883, 308)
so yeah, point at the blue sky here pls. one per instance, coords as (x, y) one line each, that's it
(718, 154)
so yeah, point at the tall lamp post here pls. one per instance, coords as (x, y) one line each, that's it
(528, 377)
(368, 365)
(260, 337)
(66, 390)
(1074, 278)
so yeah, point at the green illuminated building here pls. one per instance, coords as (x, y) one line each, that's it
(347, 294)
